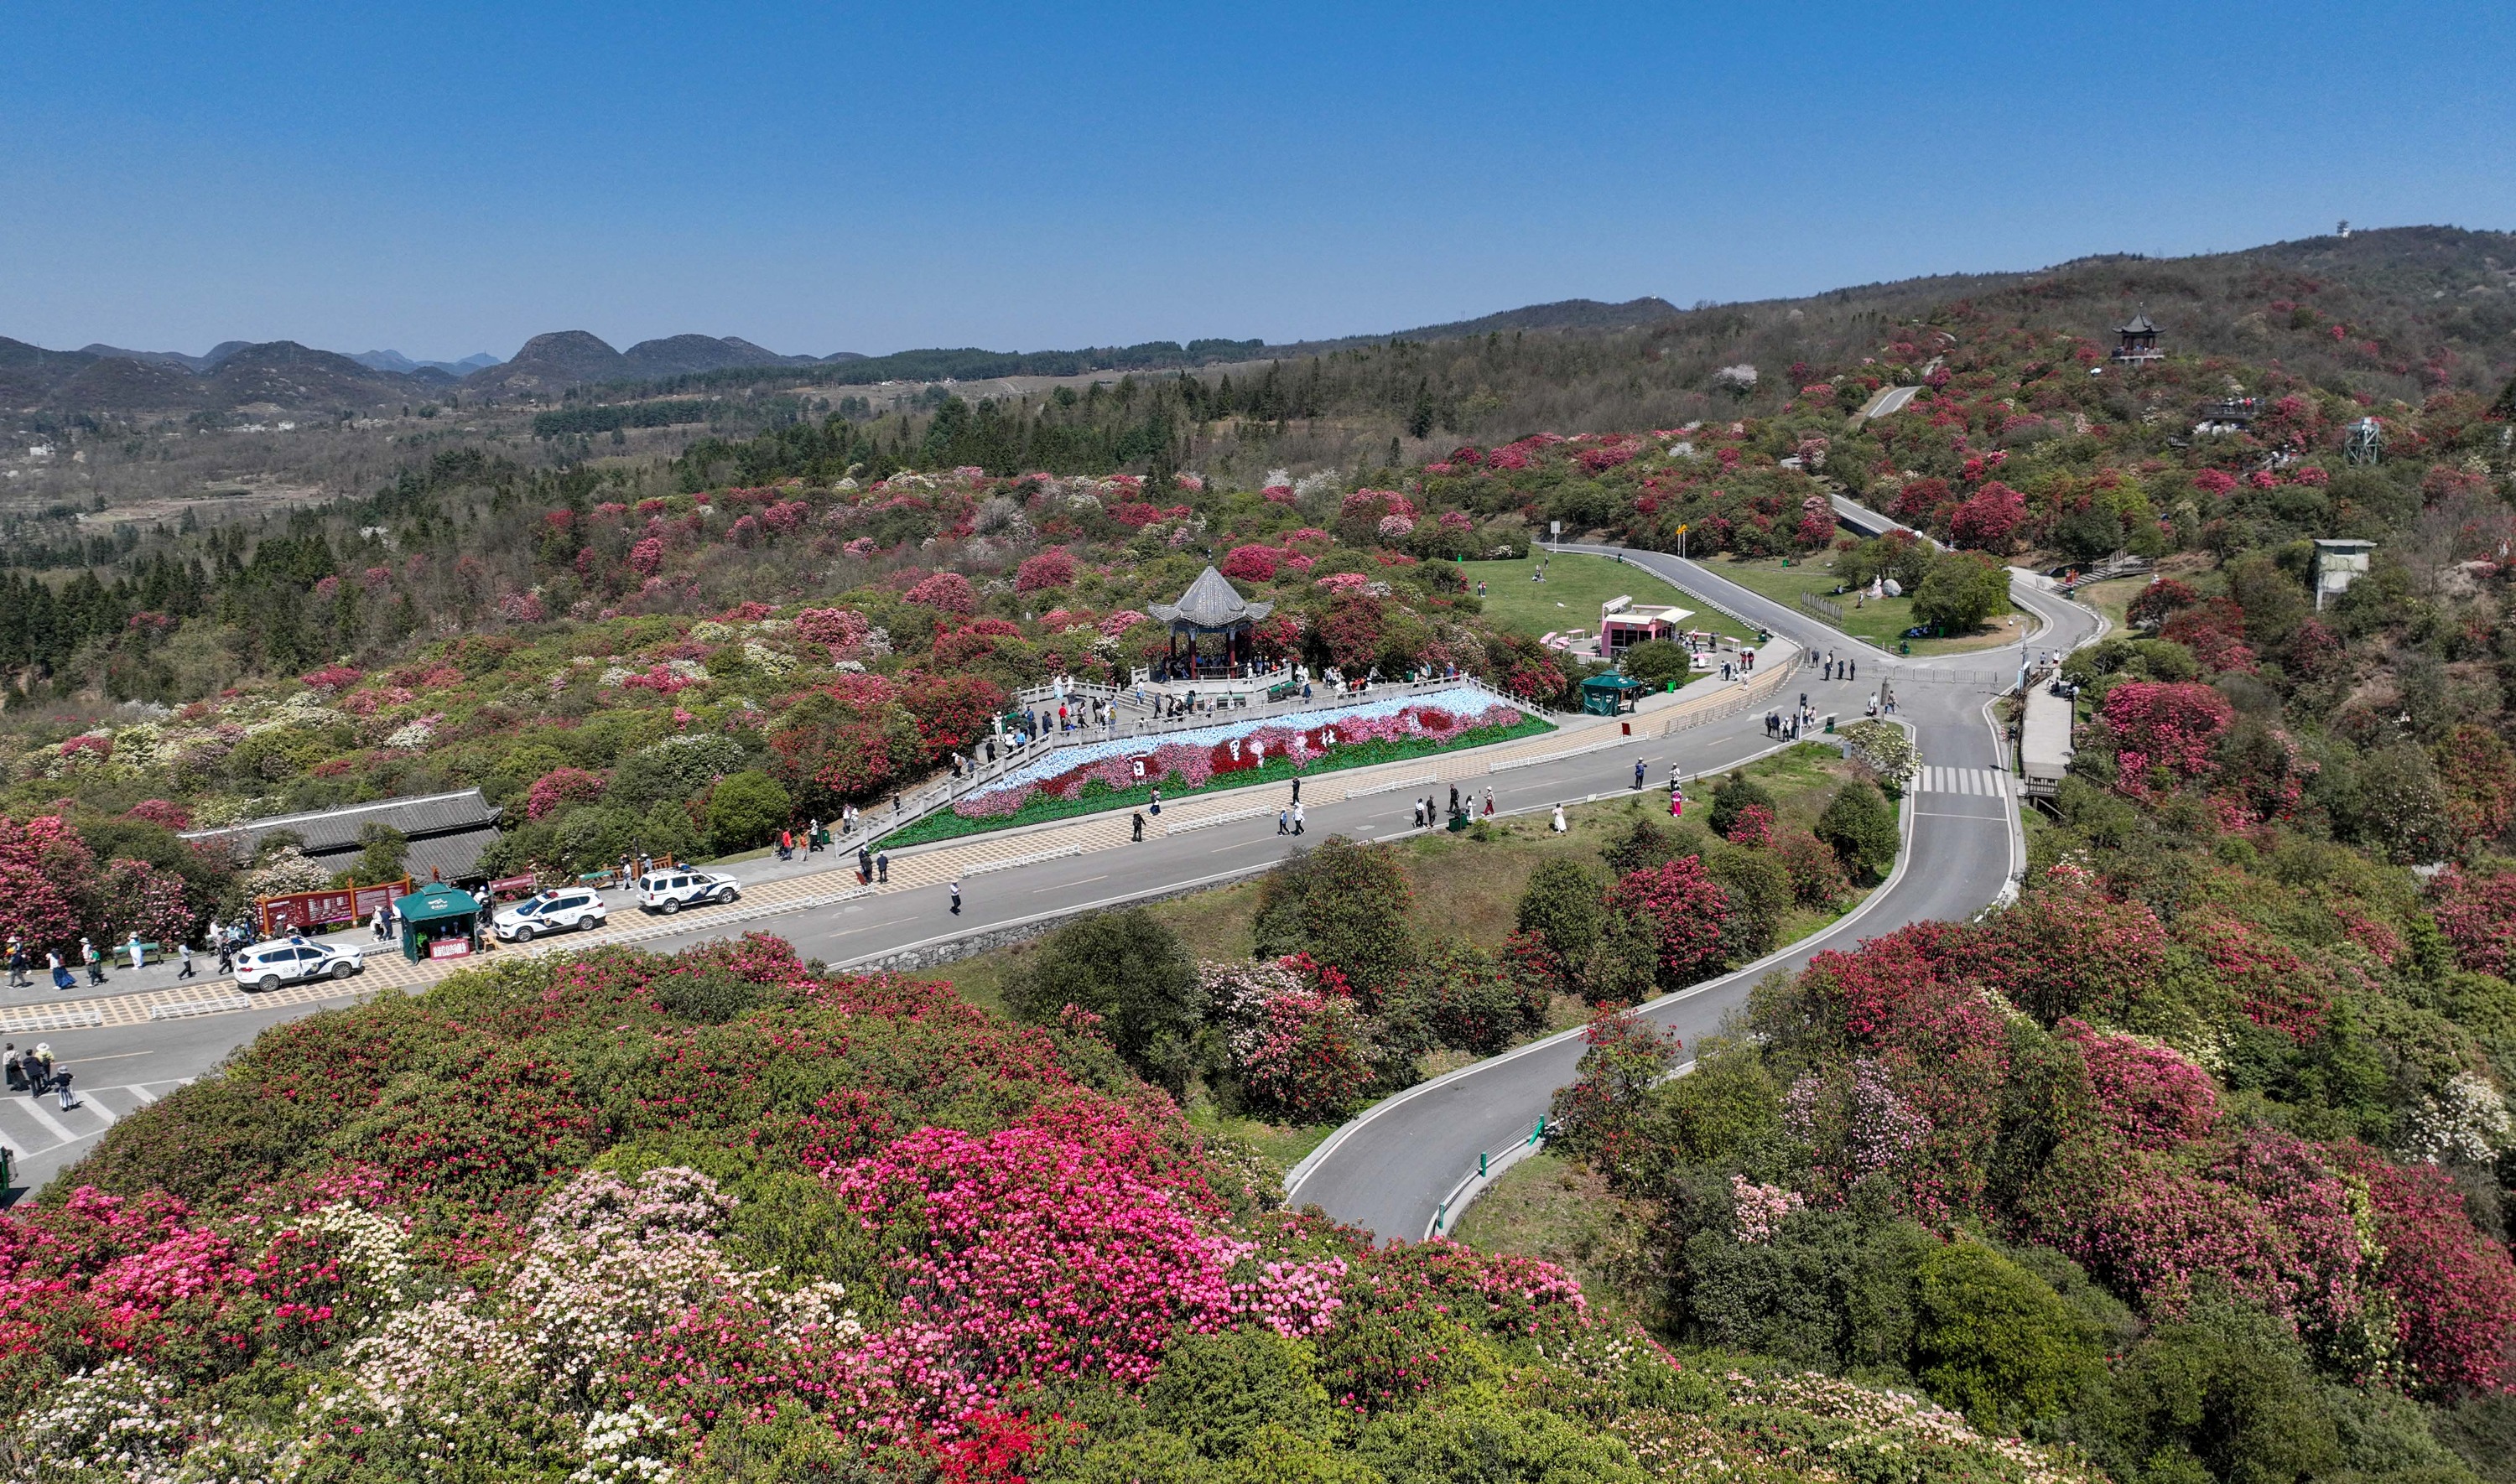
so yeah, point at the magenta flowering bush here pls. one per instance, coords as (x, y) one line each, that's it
(2151, 1096)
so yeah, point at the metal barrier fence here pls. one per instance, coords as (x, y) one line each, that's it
(1528, 1139)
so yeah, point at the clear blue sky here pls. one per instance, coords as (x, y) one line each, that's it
(451, 178)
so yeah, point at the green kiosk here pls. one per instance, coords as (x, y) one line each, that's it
(440, 923)
(1610, 694)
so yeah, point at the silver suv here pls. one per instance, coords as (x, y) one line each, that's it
(269, 966)
(669, 892)
(550, 912)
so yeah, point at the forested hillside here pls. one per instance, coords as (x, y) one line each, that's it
(2192, 1164)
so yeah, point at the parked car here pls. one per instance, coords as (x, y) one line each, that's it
(555, 911)
(669, 892)
(269, 966)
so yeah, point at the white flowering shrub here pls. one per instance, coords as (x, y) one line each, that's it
(2465, 1123)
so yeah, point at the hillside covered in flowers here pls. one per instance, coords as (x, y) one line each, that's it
(726, 1218)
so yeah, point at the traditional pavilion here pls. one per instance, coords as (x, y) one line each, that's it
(1211, 606)
(2137, 343)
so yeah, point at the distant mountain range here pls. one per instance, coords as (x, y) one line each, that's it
(239, 374)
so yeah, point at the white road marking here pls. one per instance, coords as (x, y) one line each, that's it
(1105, 876)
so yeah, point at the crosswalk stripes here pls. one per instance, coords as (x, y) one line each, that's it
(1981, 782)
(32, 1126)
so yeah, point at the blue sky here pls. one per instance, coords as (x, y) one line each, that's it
(453, 178)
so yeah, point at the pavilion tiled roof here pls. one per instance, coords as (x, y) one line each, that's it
(1210, 602)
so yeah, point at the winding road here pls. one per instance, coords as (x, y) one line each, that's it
(1411, 1160)
(1394, 1168)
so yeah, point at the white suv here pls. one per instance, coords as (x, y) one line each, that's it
(550, 912)
(669, 892)
(269, 966)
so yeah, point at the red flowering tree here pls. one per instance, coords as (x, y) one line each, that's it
(1598, 1111)
(1350, 633)
(952, 711)
(946, 593)
(42, 869)
(1687, 908)
(1989, 522)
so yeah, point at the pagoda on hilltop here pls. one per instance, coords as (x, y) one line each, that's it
(2137, 343)
(1211, 607)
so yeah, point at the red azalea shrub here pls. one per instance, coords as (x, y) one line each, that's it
(2476, 913)
(946, 592)
(2454, 1289)
(2163, 725)
(2067, 948)
(1018, 1254)
(1752, 825)
(1250, 563)
(2478, 772)
(840, 630)
(1814, 870)
(161, 811)
(1052, 569)
(332, 679)
(2150, 1097)
(2156, 603)
(560, 787)
(1687, 908)
(952, 711)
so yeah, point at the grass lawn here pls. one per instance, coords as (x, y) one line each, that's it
(1574, 588)
(1551, 1208)
(1883, 621)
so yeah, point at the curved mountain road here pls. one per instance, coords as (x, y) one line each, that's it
(1405, 1163)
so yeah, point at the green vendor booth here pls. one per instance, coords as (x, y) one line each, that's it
(1608, 695)
(440, 923)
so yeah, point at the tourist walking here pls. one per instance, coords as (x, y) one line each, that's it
(864, 864)
(94, 961)
(15, 1074)
(17, 962)
(184, 951)
(59, 970)
(1638, 772)
(1489, 804)
(882, 867)
(1297, 819)
(956, 898)
(1136, 826)
(1560, 826)
(1283, 821)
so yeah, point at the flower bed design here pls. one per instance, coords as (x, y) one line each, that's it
(1100, 775)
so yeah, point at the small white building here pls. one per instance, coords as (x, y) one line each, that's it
(2337, 564)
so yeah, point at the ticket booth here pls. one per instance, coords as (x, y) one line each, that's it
(1608, 695)
(440, 923)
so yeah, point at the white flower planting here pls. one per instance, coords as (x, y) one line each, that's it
(2467, 1124)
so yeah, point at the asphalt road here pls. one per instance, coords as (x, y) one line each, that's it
(1383, 1174)
(1392, 1168)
